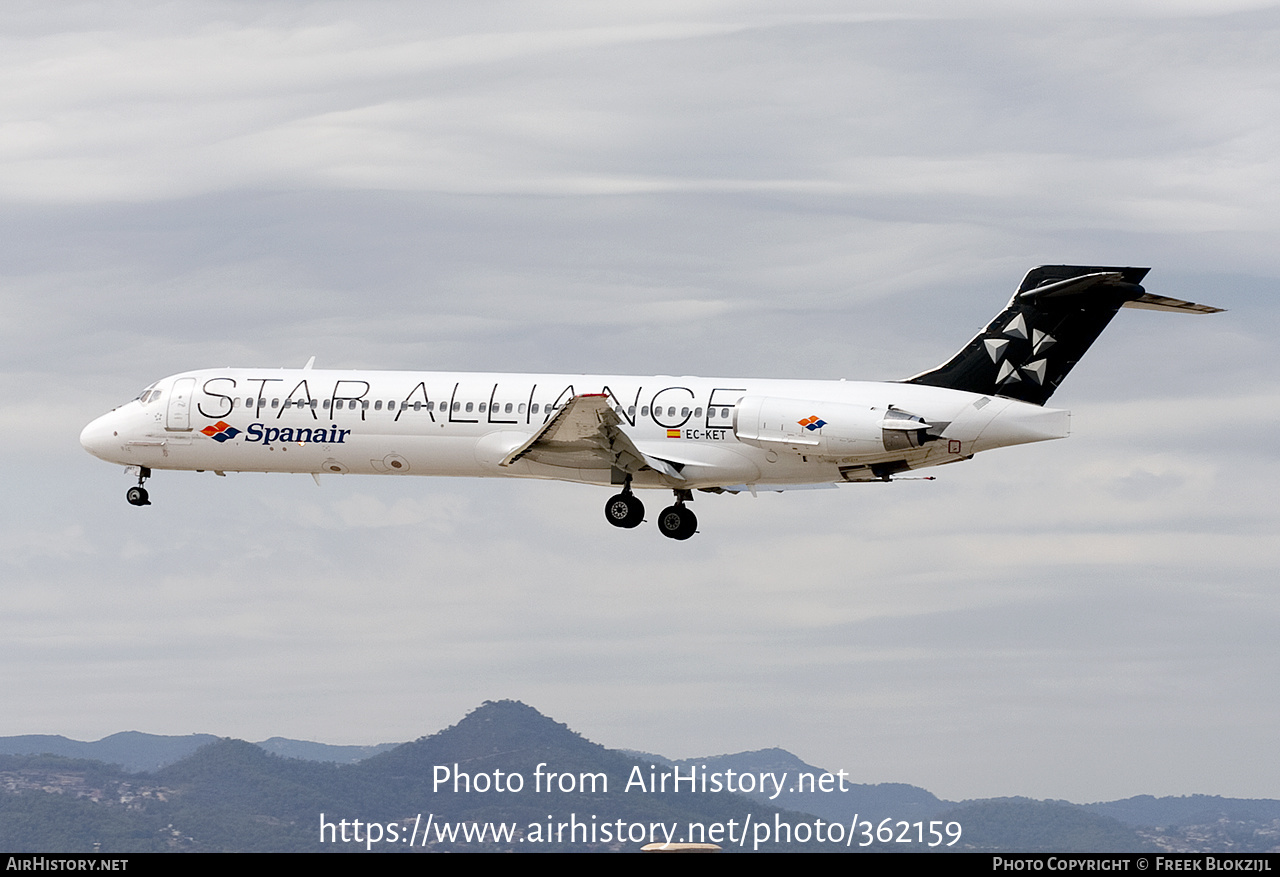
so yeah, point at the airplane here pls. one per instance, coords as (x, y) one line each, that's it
(683, 434)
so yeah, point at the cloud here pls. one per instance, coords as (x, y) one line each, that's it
(681, 188)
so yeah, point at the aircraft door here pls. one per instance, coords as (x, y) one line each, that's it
(179, 412)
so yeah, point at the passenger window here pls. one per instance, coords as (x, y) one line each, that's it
(671, 412)
(417, 406)
(520, 409)
(457, 406)
(507, 410)
(534, 408)
(631, 411)
(377, 406)
(326, 404)
(468, 407)
(275, 403)
(644, 410)
(684, 412)
(697, 412)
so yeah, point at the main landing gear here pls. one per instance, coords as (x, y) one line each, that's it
(624, 510)
(678, 522)
(138, 495)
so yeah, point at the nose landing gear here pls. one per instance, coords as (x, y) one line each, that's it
(138, 495)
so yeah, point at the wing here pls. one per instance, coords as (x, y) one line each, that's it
(587, 434)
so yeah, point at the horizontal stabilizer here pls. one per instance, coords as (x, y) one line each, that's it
(1150, 302)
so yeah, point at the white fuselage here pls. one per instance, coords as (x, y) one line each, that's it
(716, 432)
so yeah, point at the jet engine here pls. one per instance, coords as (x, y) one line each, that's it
(828, 429)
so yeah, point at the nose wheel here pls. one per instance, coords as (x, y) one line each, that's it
(138, 495)
(677, 522)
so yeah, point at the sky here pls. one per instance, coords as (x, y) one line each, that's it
(808, 190)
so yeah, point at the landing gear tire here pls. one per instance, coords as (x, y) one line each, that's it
(677, 522)
(624, 510)
(137, 496)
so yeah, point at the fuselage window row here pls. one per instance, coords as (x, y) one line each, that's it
(463, 407)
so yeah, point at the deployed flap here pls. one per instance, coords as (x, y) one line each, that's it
(587, 434)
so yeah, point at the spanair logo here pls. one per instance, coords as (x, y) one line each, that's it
(269, 435)
(812, 423)
(221, 431)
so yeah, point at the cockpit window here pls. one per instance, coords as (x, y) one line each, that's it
(150, 394)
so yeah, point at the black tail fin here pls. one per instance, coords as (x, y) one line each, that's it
(1057, 312)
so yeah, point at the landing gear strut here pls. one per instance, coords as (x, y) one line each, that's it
(678, 522)
(138, 495)
(624, 510)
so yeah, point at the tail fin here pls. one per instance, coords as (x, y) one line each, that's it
(1057, 312)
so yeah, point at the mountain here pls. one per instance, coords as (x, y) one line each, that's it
(1146, 810)
(131, 750)
(1003, 824)
(504, 764)
(137, 752)
(804, 790)
(309, 751)
(533, 784)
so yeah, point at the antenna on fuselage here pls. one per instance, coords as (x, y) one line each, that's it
(310, 362)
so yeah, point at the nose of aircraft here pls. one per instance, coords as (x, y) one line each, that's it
(101, 437)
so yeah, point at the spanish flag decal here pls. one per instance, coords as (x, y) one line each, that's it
(673, 433)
